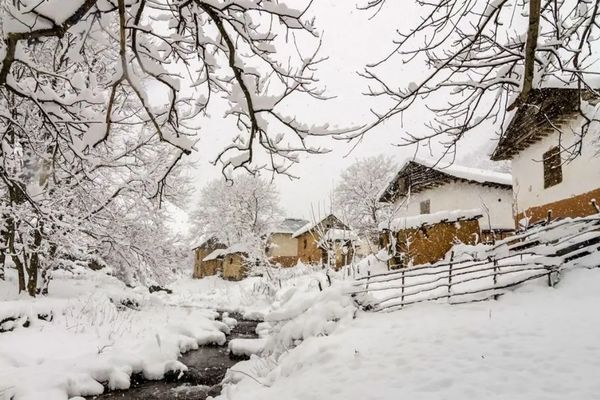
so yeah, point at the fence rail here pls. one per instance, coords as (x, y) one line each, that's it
(543, 251)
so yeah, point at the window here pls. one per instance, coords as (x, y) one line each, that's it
(305, 243)
(425, 207)
(552, 167)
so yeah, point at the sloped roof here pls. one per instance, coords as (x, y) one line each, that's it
(214, 255)
(337, 223)
(205, 240)
(544, 109)
(339, 234)
(289, 225)
(417, 221)
(421, 174)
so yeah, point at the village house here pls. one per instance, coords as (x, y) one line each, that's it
(282, 247)
(556, 171)
(237, 262)
(317, 244)
(203, 249)
(436, 206)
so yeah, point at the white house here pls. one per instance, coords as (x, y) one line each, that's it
(556, 172)
(427, 187)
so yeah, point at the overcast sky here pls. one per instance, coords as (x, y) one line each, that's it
(350, 41)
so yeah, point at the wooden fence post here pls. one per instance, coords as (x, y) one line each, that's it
(496, 268)
(450, 275)
(368, 277)
(402, 298)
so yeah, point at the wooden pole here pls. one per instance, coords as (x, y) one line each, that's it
(450, 275)
(496, 269)
(402, 298)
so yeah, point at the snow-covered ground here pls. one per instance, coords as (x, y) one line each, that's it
(535, 343)
(92, 329)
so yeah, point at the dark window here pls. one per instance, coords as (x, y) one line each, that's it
(425, 207)
(304, 243)
(552, 167)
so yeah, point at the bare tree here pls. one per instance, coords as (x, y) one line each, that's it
(483, 58)
(84, 145)
(239, 211)
(357, 194)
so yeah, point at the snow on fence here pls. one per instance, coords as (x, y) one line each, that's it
(541, 251)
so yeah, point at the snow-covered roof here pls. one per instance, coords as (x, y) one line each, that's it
(538, 116)
(339, 234)
(311, 225)
(468, 173)
(417, 221)
(289, 225)
(236, 248)
(423, 173)
(199, 242)
(214, 255)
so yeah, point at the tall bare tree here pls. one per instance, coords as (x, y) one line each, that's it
(483, 58)
(83, 138)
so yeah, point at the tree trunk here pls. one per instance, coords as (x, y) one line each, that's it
(34, 262)
(16, 260)
(3, 250)
(530, 47)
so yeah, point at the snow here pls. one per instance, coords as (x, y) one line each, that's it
(311, 225)
(98, 331)
(214, 255)
(468, 173)
(534, 343)
(246, 347)
(339, 234)
(289, 225)
(430, 219)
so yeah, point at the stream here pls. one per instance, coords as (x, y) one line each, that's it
(206, 368)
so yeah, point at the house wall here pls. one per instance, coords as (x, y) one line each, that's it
(283, 249)
(199, 255)
(581, 177)
(430, 244)
(308, 250)
(465, 196)
(283, 245)
(201, 269)
(234, 267)
(211, 267)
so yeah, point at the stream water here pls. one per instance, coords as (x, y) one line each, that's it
(206, 368)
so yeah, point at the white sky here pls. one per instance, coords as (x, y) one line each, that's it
(350, 41)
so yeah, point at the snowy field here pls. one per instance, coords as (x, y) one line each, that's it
(535, 343)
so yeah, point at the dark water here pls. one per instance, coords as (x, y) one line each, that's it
(206, 368)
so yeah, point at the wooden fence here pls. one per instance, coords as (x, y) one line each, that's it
(539, 252)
